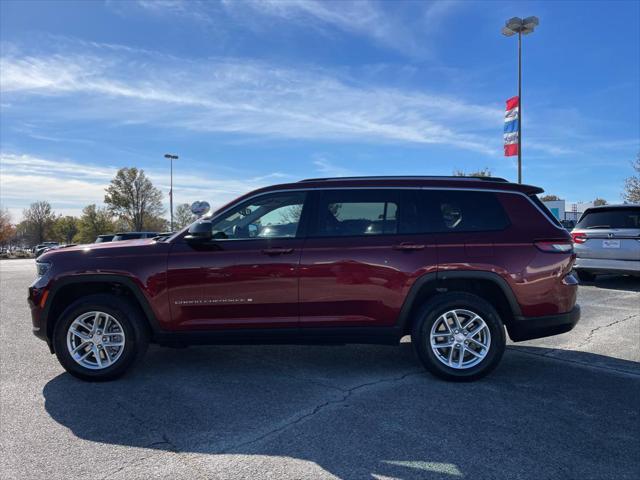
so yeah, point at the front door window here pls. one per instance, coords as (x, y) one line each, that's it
(269, 216)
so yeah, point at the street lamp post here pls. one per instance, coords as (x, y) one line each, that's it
(171, 158)
(521, 27)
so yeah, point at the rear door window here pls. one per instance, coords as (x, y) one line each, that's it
(345, 213)
(626, 217)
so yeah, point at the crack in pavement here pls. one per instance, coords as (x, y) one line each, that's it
(173, 448)
(594, 330)
(318, 408)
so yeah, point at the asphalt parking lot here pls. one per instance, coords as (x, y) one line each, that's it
(565, 407)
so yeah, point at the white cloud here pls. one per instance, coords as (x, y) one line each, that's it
(70, 185)
(325, 167)
(242, 97)
(405, 29)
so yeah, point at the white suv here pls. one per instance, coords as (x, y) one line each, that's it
(607, 240)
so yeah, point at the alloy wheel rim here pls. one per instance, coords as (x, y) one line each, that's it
(460, 339)
(95, 340)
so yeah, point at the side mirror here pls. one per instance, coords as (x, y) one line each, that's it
(199, 232)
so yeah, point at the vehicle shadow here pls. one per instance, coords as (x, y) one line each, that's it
(627, 283)
(366, 412)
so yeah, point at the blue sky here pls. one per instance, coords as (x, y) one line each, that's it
(250, 93)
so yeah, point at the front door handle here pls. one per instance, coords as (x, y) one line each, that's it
(408, 246)
(277, 251)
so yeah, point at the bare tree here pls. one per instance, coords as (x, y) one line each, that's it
(38, 221)
(132, 197)
(632, 184)
(183, 216)
(7, 230)
(485, 172)
(599, 201)
(549, 198)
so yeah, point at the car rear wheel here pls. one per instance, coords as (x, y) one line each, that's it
(458, 336)
(586, 276)
(99, 337)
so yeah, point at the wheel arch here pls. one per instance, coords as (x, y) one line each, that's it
(488, 285)
(67, 290)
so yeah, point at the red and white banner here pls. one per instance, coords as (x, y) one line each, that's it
(511, 122)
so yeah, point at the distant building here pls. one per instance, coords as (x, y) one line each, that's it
(567, 211)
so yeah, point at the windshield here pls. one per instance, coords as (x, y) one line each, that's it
(611, 218)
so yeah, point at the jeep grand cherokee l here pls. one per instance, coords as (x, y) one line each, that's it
(450, 261)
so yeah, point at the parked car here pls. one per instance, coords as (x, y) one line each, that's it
(133, 236)
(43, 247)
(104, 238)
(607, 240)
(450, 261)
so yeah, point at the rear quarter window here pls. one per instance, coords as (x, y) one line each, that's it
(462, 211)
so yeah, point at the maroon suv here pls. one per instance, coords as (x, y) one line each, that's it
(451, 261)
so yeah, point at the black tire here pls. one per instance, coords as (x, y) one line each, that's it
(586, 276)
(133, 324)
(429, 314)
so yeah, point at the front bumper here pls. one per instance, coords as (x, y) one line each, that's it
(37, 299)
(528, 328)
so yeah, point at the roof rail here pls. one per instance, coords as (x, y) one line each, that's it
(407, 177)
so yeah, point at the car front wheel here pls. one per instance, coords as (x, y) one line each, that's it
(99, 337)
(459, 336)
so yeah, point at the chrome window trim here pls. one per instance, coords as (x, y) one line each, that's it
(310, 189)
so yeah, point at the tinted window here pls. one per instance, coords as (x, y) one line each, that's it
(357, 212)
(267, 216)
(628, 217)
(461, 211)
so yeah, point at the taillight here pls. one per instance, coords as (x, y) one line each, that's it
(579, 237)
(560, 246)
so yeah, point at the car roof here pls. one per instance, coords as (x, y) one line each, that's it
(480, 183)
(617, 205)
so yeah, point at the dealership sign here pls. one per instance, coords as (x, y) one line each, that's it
(199, 208)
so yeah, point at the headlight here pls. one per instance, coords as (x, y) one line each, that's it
(42, 268)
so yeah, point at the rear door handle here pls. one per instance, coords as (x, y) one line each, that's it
(277, 251)
(408, 246)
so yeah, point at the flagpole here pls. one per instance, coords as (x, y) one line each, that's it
(519, 106)
(171, 158)
(521, 27)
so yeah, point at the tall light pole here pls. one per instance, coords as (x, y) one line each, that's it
(521, 26)
(171, 158)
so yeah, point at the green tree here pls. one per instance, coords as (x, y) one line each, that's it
(65, 228)
(38, 222)
(183, 216)
(156, 224)
(599, 201)
(631, 192)
(485, 172)
(549, 198)
(93, 222)
(132, 197)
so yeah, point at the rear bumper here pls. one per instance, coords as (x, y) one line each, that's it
(528, 328)
(605, 265)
